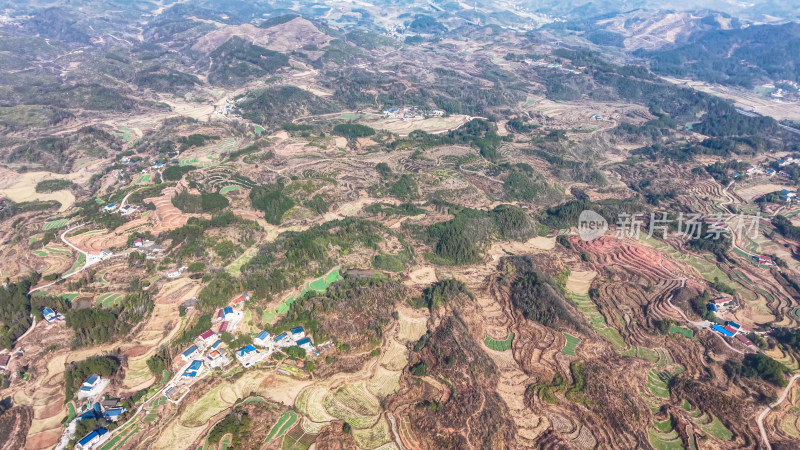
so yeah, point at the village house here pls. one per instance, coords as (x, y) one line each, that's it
(4, 361)
(239, 301)
(298, 333)
(50, 315)
(91, 440)
(248, 356)
(217, 358)
(194, 369)
(190, 354)
(90, 384)
(306, 344)
(207, 338)
(283, 340)
(264, 339)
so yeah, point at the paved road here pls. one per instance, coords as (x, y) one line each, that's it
(760, 419)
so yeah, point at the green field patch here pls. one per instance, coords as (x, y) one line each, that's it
(647, 354)
(682, 331)
(499, 346)
(40, 253)
(108, 300)
(70, 296)
(284, 423)
(79, 263)
(144, 178)
(226, 442)
(664, 425)
(259, 129)
(571, 345)
(717, 429)
(227, 189)
(70, 412)
(318, 285)
(55, 224)
(57, 251)
(665, 441)
(118, 440)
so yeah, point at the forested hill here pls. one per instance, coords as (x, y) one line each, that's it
(742, 56)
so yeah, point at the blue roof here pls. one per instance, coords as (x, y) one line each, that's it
(114, 412)
(190, 350)
(280, 336)
(722, 330)
(304, 341)
(90, 414)
(216, 344)
(92, 379)
(47, 311)
(86, 389)
(190, 373)
(296, 330)
(711, 307)
(227, 310)
(785, 191)
(733, 324)
(196, 364)
(98, 432)
(246, 349)
(262, 335)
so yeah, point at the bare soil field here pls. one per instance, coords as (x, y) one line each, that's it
(169, 217)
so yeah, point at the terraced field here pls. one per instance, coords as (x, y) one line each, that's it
(499, 346)
(681, 330)
(108, 300)
(571, 345)
(708, 423)
(55, 224)
(284, 423)
(78, 264)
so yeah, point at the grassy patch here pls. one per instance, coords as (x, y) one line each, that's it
(718, 430)
(284, 423)
(680, 330)
(499, 346)
(571, 345)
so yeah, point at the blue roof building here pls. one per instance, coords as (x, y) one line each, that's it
(114, 412)
(733, 324)
(196, 364)
(280, 337)
(92, 437)
(305, 341)
(190, 350)
(92, 379)
(227, 310)
(47, 311)
(216, 344)
(722, 330)
(711, 307)
(297, 330)
(263, 335)
(245, 350)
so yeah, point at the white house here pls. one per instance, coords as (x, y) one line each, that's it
(248, 356)
(298, 333)
(91, 440)
(283, 340)
(306, 344)
(264, 339)
(190, 354)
